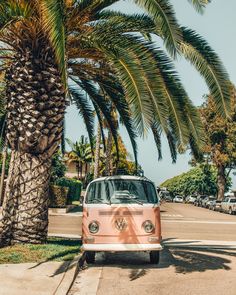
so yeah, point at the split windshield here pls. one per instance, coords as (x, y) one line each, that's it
(120, 191)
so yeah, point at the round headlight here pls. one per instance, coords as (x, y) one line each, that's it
(148, 226)
(93, 227)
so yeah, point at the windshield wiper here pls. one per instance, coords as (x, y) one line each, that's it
(99, 201)
(129, 197)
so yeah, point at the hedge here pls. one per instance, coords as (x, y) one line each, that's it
(74, 186)
(58, 196)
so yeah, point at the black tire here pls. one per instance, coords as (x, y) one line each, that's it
(230, 211)
(90, 257)
(154, 257)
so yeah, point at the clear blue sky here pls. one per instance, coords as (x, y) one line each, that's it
(217, 25)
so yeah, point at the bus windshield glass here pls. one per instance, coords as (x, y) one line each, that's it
(119, 191)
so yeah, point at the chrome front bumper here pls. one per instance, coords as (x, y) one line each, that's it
(121, 247)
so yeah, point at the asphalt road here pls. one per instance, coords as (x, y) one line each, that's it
(199, 257)
(65, 224)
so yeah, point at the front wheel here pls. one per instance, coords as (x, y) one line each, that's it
(90, 257)
(230, 211)
(154, 257)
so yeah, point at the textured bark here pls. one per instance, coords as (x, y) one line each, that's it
(97, 153)
(25, 209)
(221, 182)
(35, 107)
(4, 156)
(108, 163)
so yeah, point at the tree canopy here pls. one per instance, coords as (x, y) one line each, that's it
(198, 180)
(99, 49)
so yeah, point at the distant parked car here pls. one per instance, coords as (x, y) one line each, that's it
(209, 201)
(215, 205)
(165, 196)
(228, 205)
(190, 199)
(199, 200)
(178, 199)
(206, 201)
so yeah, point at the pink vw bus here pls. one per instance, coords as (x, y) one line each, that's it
(121, 213)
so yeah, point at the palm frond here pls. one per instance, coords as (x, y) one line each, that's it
(116, 95)
(163, 14)
(156, 131)
(172, 146)
(85, 110)
(199, 5)
(116, 22)
(200, 54)
(53, 23)
(100, 101)
(13, 11)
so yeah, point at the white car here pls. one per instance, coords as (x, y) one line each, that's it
(228, 205)
(178, 199)
(191, 199)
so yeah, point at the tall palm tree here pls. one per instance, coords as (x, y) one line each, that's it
(97, 153)
(55, 49)
(81, 154)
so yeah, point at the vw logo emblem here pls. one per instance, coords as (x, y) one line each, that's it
(121, 224)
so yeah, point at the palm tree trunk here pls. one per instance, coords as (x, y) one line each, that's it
(35, 107)
(78, 169)
(25, 209)
(97, 153)
(108, 164)
(81, 170)
(221, 182)
(4, 157)
(86, 170)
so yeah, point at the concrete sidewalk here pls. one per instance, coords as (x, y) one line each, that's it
(49, 278)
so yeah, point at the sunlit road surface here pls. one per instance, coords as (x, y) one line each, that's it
(199, 258)
(68, 225)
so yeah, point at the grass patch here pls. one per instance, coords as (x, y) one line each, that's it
(55, 249)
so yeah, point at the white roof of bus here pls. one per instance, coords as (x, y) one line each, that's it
(125, 177)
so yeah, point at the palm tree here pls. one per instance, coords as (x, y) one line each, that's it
(97, 153)
(81, 154)
(55, 49)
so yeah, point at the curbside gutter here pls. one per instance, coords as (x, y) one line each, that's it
(69, 276)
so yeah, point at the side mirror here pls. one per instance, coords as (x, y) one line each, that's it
(81, 200)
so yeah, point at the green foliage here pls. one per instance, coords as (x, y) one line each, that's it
(220, 132)
(58, 196)
(122, 165)
(99, 50)
(58, 167)
(74, 186)
(199, 180)
(81, 154)
(52, 12)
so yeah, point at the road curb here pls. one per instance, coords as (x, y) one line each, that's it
(65, 236)
(79, 266)
(69, 276)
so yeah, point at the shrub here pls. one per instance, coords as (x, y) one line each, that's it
(58, 196)
(74, 186)
(58, 167)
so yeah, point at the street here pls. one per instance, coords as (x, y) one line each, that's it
(65, 224)
(199, 257)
